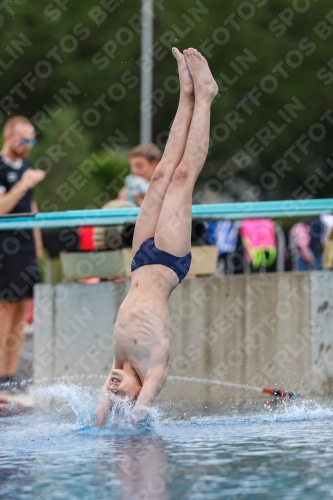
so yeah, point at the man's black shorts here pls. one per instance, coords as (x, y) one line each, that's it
(18, 274)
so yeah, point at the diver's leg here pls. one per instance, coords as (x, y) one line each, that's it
(173, 153)
(173, 231)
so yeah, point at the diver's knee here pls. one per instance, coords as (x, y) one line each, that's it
(181, 174)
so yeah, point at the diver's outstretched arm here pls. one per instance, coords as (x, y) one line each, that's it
(151, 388)
(105, 402)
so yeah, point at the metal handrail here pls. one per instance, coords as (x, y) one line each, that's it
(230, 211)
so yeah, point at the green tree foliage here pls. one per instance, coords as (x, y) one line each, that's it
(77, 177)
(74, 69)
(285, 43)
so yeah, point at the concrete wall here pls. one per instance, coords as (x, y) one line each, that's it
(266, 330)
(321, 324)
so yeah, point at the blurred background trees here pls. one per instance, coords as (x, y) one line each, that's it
(74, 69)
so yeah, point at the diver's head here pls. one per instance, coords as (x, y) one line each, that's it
(125, 383)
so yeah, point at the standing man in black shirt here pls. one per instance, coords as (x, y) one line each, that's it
(18, 248)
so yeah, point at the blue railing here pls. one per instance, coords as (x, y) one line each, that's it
(231, 211)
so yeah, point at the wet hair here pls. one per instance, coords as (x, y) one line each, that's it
(149, 151)
(13, 122)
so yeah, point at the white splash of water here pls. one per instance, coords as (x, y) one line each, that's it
(65, 399)
(302, 410)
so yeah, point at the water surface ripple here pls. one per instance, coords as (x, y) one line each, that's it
(189, 452)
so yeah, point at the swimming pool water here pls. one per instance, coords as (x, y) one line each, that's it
(189, 452)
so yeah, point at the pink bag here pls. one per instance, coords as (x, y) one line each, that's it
(259, 239)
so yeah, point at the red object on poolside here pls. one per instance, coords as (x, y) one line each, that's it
(86, 238)
(276, 392)
(11, 408)
(281, 393)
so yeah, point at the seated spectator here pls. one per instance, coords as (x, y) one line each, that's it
(143, 160)
(308, 240)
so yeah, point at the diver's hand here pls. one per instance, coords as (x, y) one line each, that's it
(140, 416)
(103, 409)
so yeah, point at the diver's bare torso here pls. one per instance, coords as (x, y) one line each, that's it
(141, 332)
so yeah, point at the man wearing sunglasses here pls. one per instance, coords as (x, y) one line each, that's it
(18, 249)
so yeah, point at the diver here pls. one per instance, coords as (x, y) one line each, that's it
(161, 246)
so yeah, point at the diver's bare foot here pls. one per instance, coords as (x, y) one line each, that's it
(204, 83)
(186, 82)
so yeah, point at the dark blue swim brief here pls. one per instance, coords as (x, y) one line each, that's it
(148, 254)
